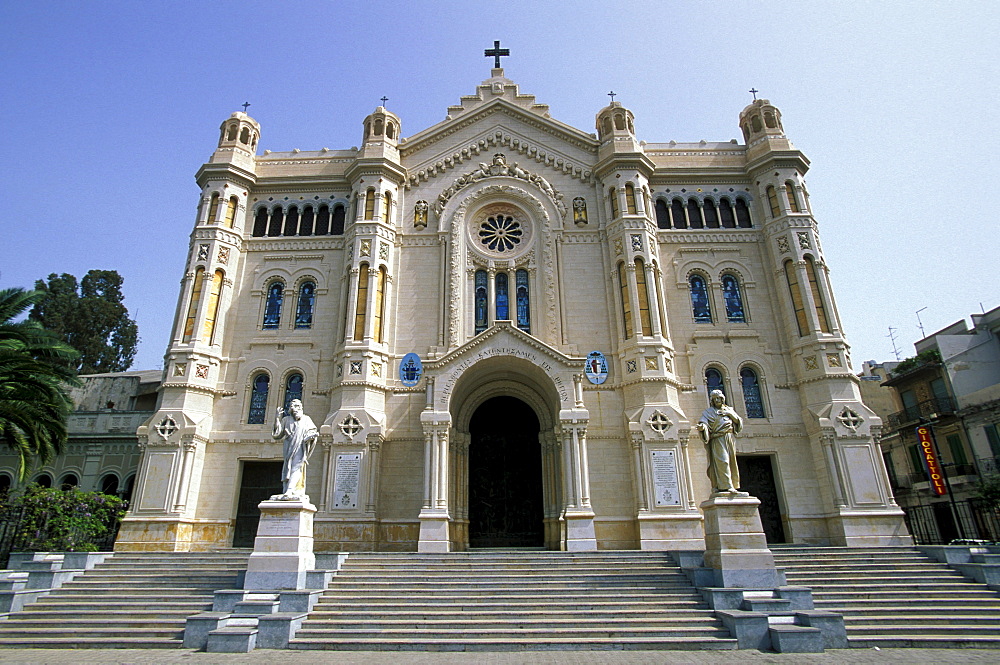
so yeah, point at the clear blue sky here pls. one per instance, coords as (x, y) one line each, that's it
(109, 108)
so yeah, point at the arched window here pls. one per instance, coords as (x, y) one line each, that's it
(523, 304)
(277, 221)
(45, 480)
(337, 223)
(793, 203)
(231, 136)
(694, 214)
(619, 121)
(307, 221)
(726, 214)
(231, 212)
(378, 334)
(390, 130)
(662, 214)
(5, 482)
(245, 136)
(272, 306)
(626, 303)
(606, 125)
(109, 484)
(700, 306)
(630, 206)
(293, 389)
(713, 380)
(361, 308)
(755, 123)
(212, 315)
(751, 393)
(677, 214)
(126, 493)
(69, 481)
(323, 220)
(711, 214)
(640, 281)
(304, 308)
(482, 310)
(743, 214)
(772, 201)
(378, 126)
(769, 120)
(798, 304)
(258, 399)
(370, 204)
(189, 324)
(503, 297)
(733, 298)
(821, 310)
(292, 222)
(387, 210)
(260, 223)
(613, 196)
(213, 208)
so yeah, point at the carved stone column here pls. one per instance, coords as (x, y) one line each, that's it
(577, 515)
(434, 517)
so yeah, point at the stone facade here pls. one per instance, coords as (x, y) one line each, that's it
(502, 246)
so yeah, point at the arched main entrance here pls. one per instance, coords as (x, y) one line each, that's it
(505, 476)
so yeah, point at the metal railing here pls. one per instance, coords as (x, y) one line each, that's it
(922, 411)
(939, 524)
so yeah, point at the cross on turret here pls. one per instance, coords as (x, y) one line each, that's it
(245, 105)
(496, 52)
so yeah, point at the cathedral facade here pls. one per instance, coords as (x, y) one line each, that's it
(506, 329)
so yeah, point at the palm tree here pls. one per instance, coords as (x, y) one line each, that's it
(34, 377)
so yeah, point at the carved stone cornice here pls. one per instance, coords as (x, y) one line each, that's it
(295, 243)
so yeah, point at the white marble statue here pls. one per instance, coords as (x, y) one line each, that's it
(718, 427)
(300, 433)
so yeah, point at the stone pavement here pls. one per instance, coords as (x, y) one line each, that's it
(745, 657)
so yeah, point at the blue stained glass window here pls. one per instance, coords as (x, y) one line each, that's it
(304, 311)
(293, 389)
(523, 304)
(272, 308)
(503, 303)
(699, 300)
(751, 393)
(734, 300)
(258, 400)
(481, 300)
(713, 380)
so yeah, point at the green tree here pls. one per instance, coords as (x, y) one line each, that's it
(91, 317)
(35, 373)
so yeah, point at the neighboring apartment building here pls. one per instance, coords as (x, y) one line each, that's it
(103, 451)
(952, 386)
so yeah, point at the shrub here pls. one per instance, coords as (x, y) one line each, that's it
(67, 520)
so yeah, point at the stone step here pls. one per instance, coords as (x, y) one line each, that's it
(120, 622)
(948, 622)
(85, 642)
(542, 603)
(111, 634)
(648, 593)
(480, 623)
(515, 644)
(555, 615)
(463, 633)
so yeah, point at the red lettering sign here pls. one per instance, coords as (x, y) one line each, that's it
(934, 473)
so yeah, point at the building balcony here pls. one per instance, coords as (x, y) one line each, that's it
(929, 409)
(106, 423)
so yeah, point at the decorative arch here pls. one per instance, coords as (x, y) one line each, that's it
(454, 219)
(259, 389)
(751, 379)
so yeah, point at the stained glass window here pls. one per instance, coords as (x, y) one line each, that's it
(626, 303)
(751, 393)
(772, 201)
(662, 214)
(726, 214)
(677, 214)
(743, 214)
(713, 380)
(293, 389)
(199, 278)
(734, 300)
(523, 304)
(613, 196)
(304, 310)
(258, 399)
(481, 302)
(711, 214)
(694, 214)
(824, 320)
(640, 283)
(630, 206)
(361, 307)
(700, 306)
(337, 222)
(798, 305)
(503, 303)
(272, 308)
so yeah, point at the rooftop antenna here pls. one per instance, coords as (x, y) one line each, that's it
(920, 323)
(892, 338)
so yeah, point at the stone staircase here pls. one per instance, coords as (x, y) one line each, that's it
(511, 600)
(131, 600)
(895, 596)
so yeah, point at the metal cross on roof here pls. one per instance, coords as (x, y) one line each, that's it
(612, 95)
(496, 52)
(245, 105)
(754, 91)
(384, 100)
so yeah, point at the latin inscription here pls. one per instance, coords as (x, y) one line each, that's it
(346, 481)
(665, 478)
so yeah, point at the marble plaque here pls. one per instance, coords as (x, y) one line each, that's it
(665, 478)
(345, 481)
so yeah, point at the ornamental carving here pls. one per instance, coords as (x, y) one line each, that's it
(580, 211)
(499, 168)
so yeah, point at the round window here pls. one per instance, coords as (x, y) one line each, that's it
(500, 230)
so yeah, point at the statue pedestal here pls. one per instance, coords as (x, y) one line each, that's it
(735, 547)
(283, 549)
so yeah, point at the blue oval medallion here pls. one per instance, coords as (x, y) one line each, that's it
(410, 370)
(597, 368)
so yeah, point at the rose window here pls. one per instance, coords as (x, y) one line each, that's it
(500, 233)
